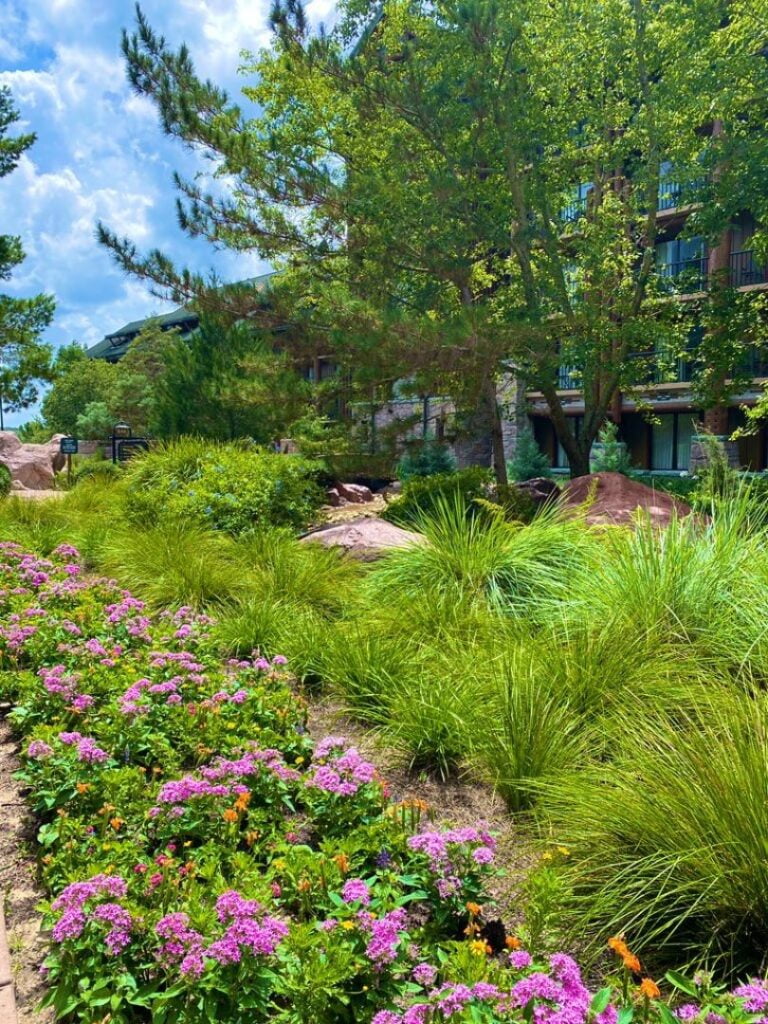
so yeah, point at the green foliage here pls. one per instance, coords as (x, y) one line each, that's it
(33, 432)
(231, 487)
(717, 478)
(95, 422)
(422, 495)
(429, 458)
(5, 481)
(25, 360)
(609, 455)
(78, 382)
(529, 460)
(174, 564)
(669, 834)
(96, 466)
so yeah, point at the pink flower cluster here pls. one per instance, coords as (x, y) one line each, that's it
(223, 777)
(247, 930)
(345, 773)
(384, 935)
(556, 997)
(73, 904)
(87, 750)
(444, 848)
(56, 681)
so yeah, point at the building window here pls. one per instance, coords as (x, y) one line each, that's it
(683, 262)
(671, 441)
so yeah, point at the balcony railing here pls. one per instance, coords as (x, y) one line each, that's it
(745, 270)
(573, 210)
(672, 193)
(568, 378)
(686, 275)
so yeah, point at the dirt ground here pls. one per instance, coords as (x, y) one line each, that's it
(452, 802)
(19, 888)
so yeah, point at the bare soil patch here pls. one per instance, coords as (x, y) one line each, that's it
(19, 887)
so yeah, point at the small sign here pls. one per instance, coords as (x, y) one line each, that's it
(126, 448)
(68, 445)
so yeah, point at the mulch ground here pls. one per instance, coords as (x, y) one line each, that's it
(18, 885)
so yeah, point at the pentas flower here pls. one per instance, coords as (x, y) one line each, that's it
(384, 935)
(356, 891)
(344, 775)
(424, 974)
(755, 995)
(73, 904)
(181, 944)
(38, 750)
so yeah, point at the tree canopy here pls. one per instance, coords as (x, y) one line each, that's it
(460, 189)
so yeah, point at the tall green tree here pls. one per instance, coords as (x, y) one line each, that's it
(77, 382)
(25, 360)
(414, 169)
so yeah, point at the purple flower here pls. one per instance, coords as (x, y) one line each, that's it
(424, 974)
(687, 1011)
(755, 995)
(356, 891)
(520, 959)
(37, 750)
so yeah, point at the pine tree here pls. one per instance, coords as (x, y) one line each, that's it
(25, 361)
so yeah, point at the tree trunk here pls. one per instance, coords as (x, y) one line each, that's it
(496, 434)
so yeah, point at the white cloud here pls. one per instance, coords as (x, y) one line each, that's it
(101, 154)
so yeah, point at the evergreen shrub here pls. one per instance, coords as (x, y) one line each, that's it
(423, 494)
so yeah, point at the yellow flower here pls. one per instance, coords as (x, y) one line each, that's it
(349, 925)
(564, 851)
(480, 947)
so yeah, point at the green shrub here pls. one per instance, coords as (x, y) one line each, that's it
(231, 487)
(422, 495)
(429, 458)
(97, 466)
(5, 481)
(609, 455)
(671, 835)
(174, 564)
(529, 460)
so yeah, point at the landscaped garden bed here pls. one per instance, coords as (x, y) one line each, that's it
(206, 862)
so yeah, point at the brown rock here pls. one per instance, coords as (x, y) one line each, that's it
(614, 498)
(356, 493)
(333, 498)
(366, 539)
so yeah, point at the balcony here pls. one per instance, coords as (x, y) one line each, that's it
(685, 276)
(674, 193)
(568, 378)
(745, 270)
(574, 210)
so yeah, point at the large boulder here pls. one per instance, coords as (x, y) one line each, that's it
(31, 465)
(366, 539)
(614, 498)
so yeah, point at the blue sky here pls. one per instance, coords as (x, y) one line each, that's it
(100, 153)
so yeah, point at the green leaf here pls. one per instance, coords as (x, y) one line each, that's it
(600, 1000)
(681, 982)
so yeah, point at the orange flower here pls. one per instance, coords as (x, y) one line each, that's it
(304, 885)
(649, 989)
(342, 862)
(83, 787)
(116, 823)
(251, 837)
(619, 946)
(512, 942)
(474, 908)
(632, 963)
(230, 814)
(242, 801)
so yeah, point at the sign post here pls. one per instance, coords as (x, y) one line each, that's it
(69, 446)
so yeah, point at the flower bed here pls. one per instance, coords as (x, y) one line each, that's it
(207, 862)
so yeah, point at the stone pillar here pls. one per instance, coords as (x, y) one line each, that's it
(514, 412)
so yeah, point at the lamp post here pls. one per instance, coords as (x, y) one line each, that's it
(120, 431)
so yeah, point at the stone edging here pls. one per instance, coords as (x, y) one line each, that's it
(7, 992)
